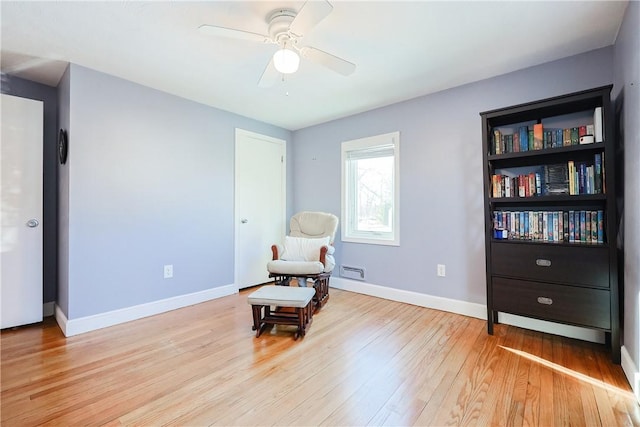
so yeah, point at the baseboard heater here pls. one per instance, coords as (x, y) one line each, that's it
(356, 273)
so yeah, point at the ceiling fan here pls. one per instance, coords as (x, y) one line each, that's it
(286, 28)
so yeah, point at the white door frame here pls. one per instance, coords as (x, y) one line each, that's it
(237, 215)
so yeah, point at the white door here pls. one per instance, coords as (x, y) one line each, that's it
(260, 204)
(21, 211)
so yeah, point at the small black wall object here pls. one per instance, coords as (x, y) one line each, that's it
(63, 147)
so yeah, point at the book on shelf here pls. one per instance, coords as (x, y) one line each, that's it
(598, 130)
(575, 136)
(538, 136)
(523, 131)
(572, 227)
(600, 225)
(555, 179)
(597, 165)
(571, 170)
(566, 137)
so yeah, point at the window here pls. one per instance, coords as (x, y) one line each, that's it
(370, 190)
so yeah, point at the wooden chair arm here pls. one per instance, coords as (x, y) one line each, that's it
(323, 254)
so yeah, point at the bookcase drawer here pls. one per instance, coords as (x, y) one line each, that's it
(579, 306)
(549, 263)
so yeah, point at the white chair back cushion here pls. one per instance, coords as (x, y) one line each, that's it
(314, 225)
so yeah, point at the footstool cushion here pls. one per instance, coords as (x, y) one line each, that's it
(282, 296)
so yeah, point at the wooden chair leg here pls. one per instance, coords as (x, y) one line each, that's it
(256, 309)
(301, 323)
(321, 284)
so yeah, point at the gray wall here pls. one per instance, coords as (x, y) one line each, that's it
(627, 90)
(150, 182)
(26, 89)
(441, 196)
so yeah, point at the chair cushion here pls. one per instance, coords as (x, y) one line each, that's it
(313, 224)
(294, 267)
(283, 296)
(303, 249)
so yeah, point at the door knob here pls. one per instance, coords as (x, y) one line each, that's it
(33, 223)
(244, 220)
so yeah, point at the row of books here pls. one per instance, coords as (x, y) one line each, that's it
(528, 185)
(583, 226)
(573, 178)
(537, 137)
(585, 178)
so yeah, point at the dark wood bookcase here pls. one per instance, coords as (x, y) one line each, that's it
(564, 277)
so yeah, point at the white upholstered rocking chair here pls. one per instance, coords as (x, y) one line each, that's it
(307, 253)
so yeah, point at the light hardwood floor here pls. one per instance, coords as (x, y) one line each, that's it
(364, 361)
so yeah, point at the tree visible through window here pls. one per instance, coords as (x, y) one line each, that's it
(370, 190)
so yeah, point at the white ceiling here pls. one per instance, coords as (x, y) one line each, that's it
(402, 49)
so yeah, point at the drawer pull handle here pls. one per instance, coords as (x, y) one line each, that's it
(543, 262)
(545, 300)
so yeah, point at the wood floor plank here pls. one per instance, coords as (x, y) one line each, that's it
(547, 406)
(403, 407)
(581, 355)
(369, 359)
(566, 387)
(364, 361)
(601, 389)
(359, 408)
(507, 410)
(439, 387)
(625, 408)
(532, 345)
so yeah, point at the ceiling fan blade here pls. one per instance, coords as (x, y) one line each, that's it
(269, 76)
(339, 65)
(310, 14)
(231, 33)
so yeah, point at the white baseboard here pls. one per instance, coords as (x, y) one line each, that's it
(115, 317)
(465, 308)
(631, 371)
(48, 309)
(422, 300)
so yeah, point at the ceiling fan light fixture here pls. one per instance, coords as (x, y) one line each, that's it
(286, 61)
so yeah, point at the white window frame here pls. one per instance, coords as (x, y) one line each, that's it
(348, 232)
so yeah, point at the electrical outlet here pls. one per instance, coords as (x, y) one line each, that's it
(441, 270)
(168, 271)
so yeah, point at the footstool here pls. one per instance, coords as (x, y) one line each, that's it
(300, 299)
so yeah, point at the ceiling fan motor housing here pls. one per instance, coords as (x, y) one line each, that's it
(279, 23)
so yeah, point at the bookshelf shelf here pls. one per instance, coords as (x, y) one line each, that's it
(560, 244)
(550, 199)
(550, 212)
(546, 152)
